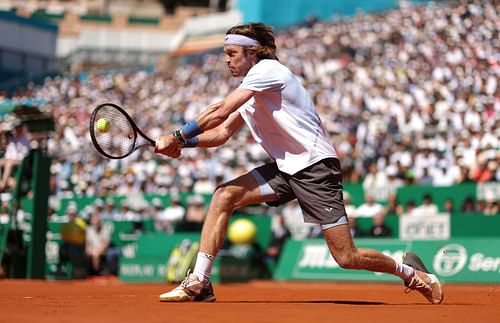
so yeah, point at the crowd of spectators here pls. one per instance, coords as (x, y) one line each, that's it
(410, 96)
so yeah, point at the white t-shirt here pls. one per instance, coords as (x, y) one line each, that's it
(97, 239)
(368, 210)
(283, 118)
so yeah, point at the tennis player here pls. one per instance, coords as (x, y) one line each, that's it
(272, 102)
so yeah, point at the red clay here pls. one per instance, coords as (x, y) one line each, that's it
(108, 300)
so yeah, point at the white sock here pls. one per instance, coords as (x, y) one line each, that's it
(203, 267)
(404, 271)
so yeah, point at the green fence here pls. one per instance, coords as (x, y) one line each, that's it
(439, 195)
(461, 225)
(146, 260)
(457, 193)
(144, 255)
(415, 193)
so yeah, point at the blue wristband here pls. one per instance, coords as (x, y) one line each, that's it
(192, 142)
(191, 129)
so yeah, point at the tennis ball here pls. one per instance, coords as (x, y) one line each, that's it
(74, 231)
(103, 125)
(242, 231)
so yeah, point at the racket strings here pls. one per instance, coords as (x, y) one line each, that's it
(119, 139)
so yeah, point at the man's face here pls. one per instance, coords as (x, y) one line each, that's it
(238, 60)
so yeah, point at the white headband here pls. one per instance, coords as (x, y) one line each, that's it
(240, 40)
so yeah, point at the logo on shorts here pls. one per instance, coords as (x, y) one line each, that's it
(329, 209)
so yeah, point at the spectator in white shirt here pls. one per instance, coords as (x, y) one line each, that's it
(166, 219)
(17, 147)
(427, 207)
(370, 208)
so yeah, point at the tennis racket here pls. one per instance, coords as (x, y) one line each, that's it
(114, 133)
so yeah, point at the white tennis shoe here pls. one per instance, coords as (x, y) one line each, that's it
(190, 290)
(423, 281)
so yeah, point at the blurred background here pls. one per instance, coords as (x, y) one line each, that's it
(407, 90)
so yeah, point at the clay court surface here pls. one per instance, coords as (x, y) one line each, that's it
(109, 300)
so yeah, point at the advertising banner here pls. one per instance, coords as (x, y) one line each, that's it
(424, 227)
(455, 260)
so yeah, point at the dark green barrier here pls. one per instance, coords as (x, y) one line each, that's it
(392, 221)
(457, 193)
(82, 202)
(146, 260)
(263, 224)
(4, 230)
(356, 193)
(457, 260)
(477, 225)
(462, 225)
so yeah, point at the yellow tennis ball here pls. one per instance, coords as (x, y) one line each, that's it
(103, 125)
(74, 231)
(242, 231)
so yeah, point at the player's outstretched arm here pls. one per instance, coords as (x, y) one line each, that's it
(212, 117)
(220, 134)
(217, 113)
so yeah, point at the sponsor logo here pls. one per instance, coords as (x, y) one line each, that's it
(488, 190)
(328, 209)
(318, 256)
(142, 270)
(450, 260)
(52, 252)
(480, 262)
(129, 251)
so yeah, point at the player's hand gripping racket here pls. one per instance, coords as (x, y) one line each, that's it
(114, 133)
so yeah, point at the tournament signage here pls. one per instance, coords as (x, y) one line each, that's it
(490, 190)
(424, 227)
(143, 270)
(464, 260)
(469, 261)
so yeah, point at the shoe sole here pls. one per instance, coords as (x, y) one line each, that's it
(415, 262)
(181, 299)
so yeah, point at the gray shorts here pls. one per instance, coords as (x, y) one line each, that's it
(317, 188)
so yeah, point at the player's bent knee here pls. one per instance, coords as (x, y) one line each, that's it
(224, 195)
